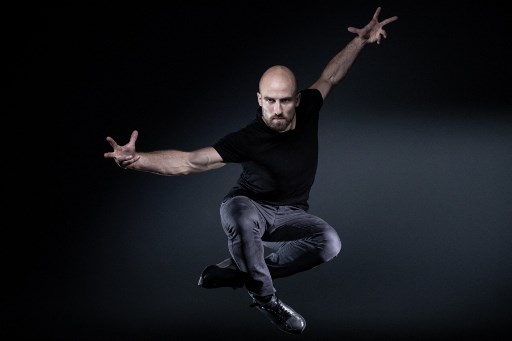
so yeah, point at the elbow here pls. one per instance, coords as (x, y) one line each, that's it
(182, 171)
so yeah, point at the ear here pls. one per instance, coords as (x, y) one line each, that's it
(297, 100)
(260, 98)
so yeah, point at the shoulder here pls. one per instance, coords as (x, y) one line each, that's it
(311, 93)
(235, 146)
(310, 100)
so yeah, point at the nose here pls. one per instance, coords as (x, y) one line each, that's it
(278, 107)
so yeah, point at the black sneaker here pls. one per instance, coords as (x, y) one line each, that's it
(281, 315)
(214, 276)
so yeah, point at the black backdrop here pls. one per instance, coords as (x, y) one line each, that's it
(414, 170)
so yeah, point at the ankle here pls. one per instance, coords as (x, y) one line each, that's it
(263, 299)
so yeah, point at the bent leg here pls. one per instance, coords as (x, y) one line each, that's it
(300, 241)
(244, 226)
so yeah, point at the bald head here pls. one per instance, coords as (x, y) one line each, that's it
(278, 78)
(278, 97)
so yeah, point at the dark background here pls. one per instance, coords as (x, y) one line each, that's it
(414, 171)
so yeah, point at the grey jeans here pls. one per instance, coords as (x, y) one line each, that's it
(297, 241)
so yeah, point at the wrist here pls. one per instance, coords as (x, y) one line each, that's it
(359, 41)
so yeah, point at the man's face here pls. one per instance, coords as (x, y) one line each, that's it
(278, 107)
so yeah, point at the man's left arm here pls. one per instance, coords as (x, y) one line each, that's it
(339, 65)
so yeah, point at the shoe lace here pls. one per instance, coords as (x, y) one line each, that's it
(278, 310)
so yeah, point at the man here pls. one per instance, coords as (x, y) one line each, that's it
(267, 208)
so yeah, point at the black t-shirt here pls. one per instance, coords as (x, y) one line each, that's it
(278, 168)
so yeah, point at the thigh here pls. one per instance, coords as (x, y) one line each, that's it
(292, 223)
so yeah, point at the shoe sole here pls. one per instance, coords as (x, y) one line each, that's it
(215, 277)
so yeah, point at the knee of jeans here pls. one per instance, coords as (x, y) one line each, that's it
(332, 246)
(238, 216)
(242, 224)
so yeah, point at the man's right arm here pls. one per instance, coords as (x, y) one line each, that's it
(176, 162)
(163, 162)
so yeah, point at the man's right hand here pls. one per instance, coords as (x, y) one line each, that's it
(125, 155)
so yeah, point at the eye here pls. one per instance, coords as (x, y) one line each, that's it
(270, 100)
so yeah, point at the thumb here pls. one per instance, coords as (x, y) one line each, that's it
(134, 136)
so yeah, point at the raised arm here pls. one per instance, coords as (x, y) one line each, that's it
(163, 162)
(339, 65)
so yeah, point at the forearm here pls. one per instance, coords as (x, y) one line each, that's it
(339, 65)
(176, 162)
(164, 162)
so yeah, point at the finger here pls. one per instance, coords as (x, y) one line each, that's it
(128, 161)
(376, 14)
(384, 34)
(127, 158)
(352, 29)
(112, 142)
(134, 136)
(388, 20)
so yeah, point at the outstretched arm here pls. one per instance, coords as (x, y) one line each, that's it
(338, 66)
(163, 162)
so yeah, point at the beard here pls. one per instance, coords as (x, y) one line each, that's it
(278, 123)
